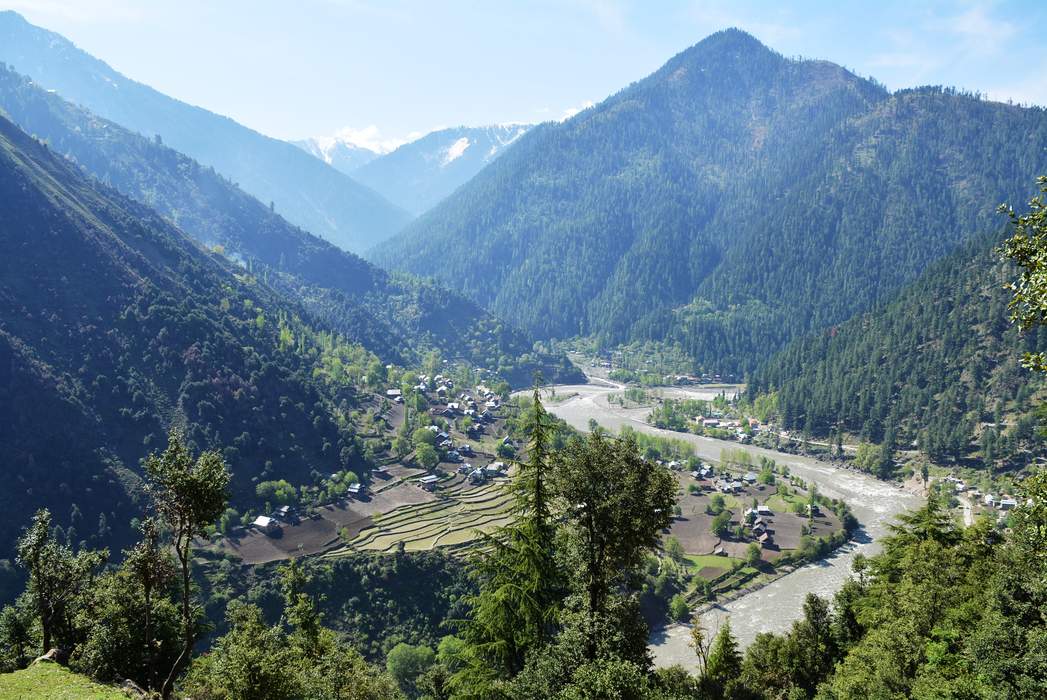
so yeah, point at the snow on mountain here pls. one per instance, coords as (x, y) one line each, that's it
(418, 174)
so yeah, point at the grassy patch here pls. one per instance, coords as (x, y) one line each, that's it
(701, 561)
(49, 680)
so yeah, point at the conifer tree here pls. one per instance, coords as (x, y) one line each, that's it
(516, 609)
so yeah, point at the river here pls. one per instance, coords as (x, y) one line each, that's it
(777, 605)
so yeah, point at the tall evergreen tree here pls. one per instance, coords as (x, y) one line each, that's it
(516, 609)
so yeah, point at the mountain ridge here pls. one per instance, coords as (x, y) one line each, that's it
(310, 192)
(659, 195)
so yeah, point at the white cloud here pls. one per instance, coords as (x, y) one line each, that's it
(570, 112)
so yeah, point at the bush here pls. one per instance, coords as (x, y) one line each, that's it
(678, 608)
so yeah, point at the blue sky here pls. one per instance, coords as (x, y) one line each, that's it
(387, 70)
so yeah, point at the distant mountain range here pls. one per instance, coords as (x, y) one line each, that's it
(729, 202)
(418, 175)
(339, 154)
(395, 316)
(304, 189)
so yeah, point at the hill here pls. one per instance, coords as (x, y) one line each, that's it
(49, 680)
(939, 367)
(116, 327)
(394, 316)
(304, 189)
(417, 175)
(727, 203)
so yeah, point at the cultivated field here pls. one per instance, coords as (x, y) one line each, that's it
(455, 517)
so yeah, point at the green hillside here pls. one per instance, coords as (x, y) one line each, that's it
(54, 682)
(729, 202)
(939, 366)
(116, 327)
(395, 316)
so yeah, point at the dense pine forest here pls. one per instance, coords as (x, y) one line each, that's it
(938, 368)
(729, 202)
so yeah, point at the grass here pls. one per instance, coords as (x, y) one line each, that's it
(54, 682)
(700, 561)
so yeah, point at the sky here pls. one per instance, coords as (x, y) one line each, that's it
(381, 72)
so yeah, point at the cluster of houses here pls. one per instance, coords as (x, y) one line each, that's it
(272, 525)
(725, 482)
(717, 421)
(480, 475)
(988, 500)
(760, 526)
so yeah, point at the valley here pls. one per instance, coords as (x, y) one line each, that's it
(729, 383)
(775, 606)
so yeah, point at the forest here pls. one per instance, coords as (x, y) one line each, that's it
(728, 203)
(944, 377)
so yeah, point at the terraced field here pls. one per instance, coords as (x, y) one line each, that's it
(456, 519)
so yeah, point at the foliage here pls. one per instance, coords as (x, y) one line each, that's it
(638, 219)
(945, 377)
(1027, 249)
(406, 664)
(57, 580)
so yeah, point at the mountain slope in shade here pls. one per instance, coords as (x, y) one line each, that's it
(396, 317)
(732, 200)
(419, 174)
(306, 190)
(339, 154)
(115, 327)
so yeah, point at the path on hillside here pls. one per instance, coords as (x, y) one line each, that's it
(774, 607)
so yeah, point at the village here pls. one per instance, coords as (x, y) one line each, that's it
(736, 525)
(406, 501)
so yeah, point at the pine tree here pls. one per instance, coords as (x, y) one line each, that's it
(516, 609)
(725, 663)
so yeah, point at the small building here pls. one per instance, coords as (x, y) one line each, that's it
(764, 539)
(720, 552)
(283, 513)
(355, 489)
(393, 393)
(429, 482)
(763, 510)
(269, 526)
(696, 476)
(1008, 503)
(989, 500)
(749, 477)
(477, 476)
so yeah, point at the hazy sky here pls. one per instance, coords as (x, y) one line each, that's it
(390, 69)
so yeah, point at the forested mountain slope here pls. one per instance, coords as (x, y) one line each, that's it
(115, 327)
(730, 201)
(419, 174)
(394, 316)
(304, 189)
(939, 367)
